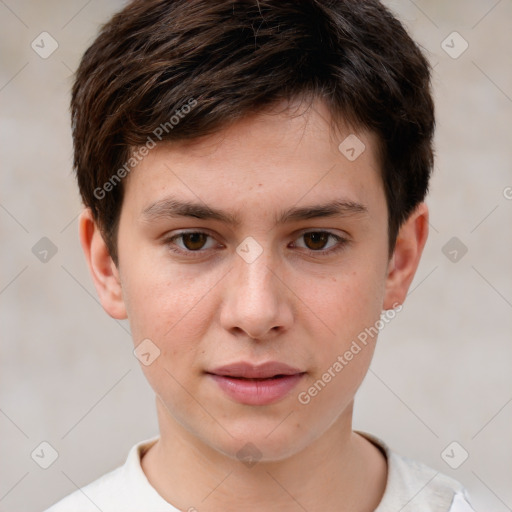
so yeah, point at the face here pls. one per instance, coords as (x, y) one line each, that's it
(282, 259)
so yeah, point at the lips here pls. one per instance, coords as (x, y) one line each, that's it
(251, 384)
(245, 370)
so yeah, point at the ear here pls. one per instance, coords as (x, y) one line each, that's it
(406, 256)
(105, 274)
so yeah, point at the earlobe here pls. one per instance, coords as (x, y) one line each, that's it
(103, 271)
(406, 256)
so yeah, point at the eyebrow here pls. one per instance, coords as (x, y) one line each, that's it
(172, 207)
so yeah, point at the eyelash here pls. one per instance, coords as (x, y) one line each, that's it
(342, 242)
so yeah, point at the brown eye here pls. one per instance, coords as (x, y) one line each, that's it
(316, 240)
(194, 241)
(189, 243)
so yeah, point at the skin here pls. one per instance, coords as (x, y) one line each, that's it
(209, 308)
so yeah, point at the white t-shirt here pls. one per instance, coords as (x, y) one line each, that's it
(410, 487)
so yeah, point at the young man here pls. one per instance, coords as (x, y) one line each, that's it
(254, 175)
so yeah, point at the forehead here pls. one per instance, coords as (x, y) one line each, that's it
(267, 160)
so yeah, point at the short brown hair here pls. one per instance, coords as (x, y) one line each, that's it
(238, 57)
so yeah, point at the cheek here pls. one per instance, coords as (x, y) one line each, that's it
(167, 310)
(162, 300)
(350, 308)
(350, 304)
(346, 302)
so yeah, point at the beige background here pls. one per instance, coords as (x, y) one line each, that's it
(442, 370)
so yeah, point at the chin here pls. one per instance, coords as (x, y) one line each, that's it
(261, 441)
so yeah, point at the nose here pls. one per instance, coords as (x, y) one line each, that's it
(256, 298)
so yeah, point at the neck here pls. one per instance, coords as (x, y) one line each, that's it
(341, 471)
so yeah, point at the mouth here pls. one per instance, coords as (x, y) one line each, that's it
(256, 379)
(250, 384)
(245, 370)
